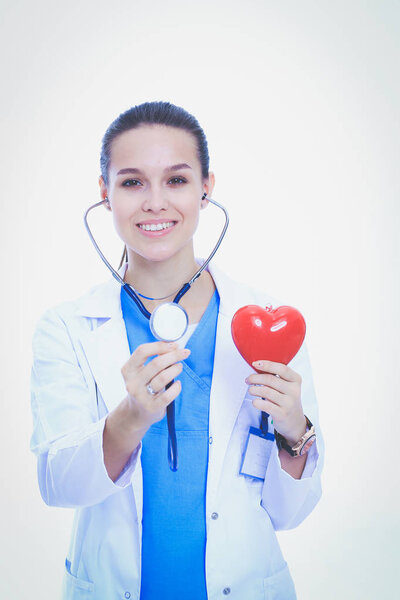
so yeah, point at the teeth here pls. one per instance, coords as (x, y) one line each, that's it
(157, 227)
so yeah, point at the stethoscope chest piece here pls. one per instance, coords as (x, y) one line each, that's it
(169, 322)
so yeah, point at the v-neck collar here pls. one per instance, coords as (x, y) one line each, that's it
(214, 300)
(138, 316)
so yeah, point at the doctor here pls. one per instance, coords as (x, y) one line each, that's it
(99, 400)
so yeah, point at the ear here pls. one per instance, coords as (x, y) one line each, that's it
(208, 186)
(103, 192)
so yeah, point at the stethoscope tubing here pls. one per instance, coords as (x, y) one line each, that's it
(134, 295)
(184, 289)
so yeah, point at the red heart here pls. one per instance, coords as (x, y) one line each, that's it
(274, 334)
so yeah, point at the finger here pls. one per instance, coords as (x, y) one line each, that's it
(162, 379)
(145, 351)
(137, 379)
(269, 407)
(276, 368)
(269, 380)
(158, 364)
(165, 398)
(267, 393)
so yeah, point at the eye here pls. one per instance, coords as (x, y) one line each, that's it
(178, 180)
(131, 183)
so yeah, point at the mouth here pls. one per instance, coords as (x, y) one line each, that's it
(156, 228)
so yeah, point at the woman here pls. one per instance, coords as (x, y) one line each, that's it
(99, 398)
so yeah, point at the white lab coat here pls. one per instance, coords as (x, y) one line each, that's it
(79, 348)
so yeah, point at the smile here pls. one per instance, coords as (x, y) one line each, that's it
(158, 226)
(156, 229)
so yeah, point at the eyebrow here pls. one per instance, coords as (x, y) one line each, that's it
(171, 168)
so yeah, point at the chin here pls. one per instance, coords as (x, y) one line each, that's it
(155, 254)
(158, 253)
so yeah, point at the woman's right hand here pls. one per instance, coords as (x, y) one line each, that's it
(144, 408)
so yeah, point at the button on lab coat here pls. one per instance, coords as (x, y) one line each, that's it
(79, 348)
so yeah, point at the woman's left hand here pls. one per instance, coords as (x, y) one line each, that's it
(280, 397)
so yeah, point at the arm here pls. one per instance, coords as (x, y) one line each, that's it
(67, 432)
(294, 465)
(83, 459)
(292, 485)
(128, 423)
(120, 439)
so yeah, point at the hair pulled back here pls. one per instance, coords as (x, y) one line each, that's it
(154, 113)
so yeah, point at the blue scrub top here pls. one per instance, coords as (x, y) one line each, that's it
(174, 520)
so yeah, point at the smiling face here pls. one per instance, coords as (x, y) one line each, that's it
(155, 188)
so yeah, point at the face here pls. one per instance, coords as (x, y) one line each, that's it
(155, 189)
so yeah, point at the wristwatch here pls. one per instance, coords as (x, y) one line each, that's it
(302, 446)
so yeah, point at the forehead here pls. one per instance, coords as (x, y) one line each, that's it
(152, 147)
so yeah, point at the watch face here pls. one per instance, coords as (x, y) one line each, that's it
(307, 445)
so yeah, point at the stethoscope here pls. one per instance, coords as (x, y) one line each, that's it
(168, 322)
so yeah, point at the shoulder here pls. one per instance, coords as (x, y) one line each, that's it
(68, 308)
(77, 313)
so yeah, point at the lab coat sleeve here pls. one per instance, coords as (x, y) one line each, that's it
(289, 501)
(67, 432)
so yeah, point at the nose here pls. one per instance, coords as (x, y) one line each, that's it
(155, 201)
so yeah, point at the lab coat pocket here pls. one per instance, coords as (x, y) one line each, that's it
(280, 586)
(75, 588)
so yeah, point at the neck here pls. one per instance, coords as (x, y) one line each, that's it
(157, 279)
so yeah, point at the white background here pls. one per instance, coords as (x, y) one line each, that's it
(299, 101)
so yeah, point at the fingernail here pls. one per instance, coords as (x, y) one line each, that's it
(257, 363)
(186, 352)
(247, 380)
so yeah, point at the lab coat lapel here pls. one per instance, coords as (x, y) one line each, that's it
(107, 349)
(230, 370)
(106, 346)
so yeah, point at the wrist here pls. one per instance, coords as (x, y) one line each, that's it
(302, 445)
(129, 420)
(293, 437)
